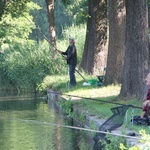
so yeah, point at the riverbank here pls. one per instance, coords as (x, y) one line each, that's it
(85, 119)
(93, 105)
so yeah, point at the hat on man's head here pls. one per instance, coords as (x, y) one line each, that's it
(72, 39)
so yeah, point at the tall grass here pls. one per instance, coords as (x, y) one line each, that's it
(26, 65)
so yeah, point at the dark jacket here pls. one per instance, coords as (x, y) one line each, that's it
(71, 55)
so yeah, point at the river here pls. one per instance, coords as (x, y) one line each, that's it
(25, 124)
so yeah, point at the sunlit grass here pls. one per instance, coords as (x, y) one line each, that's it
(61, 83)
(106, 93)
(102, 98)
(94, 92)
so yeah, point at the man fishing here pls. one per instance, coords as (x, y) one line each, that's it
(71, 58)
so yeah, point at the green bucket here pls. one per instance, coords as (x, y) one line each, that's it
(93, 81)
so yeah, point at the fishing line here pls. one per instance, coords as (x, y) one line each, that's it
(72, 127)
(54, 48)
(88, 98)
(44, 36)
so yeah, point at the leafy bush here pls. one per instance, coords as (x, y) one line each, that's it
(67, 106)
(23, 62)
(27, 65)
(144, 140)
(114, 142)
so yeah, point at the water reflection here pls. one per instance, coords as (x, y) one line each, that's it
(23, 135)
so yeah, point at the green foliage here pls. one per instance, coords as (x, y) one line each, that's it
(14, 30)
(78, 9)
(2, 8)
(145, 143)
(114, 142)
(40, 20)
(62, 18)
(14, 7)
(65, 2)
(27, 65)
(148, 2)
(78, 32)
(24, 63)
(74, 12)
(67, 106)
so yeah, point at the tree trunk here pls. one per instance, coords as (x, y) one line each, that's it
(50, 13)
(94, 55)
(116, 47)
(136, 51)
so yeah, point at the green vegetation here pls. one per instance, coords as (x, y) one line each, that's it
(95, 108)
(109, 93)
(114, 142)
(78, 32)
(25, 66)
(28, 61)
(145, 141)
(67, 106)
(24, 63)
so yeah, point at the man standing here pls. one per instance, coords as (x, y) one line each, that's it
(71, 60)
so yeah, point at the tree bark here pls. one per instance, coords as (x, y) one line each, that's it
(136, 51)
(116, 46)
(50, 14)
(94, 55)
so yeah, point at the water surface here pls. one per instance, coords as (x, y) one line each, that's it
(22, 126)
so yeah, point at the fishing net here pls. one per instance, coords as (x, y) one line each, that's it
(115, 121)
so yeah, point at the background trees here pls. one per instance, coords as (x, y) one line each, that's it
(116, 45)
(127, 40)
(94, 56)
(23, 62)
(50, 14)
(136, 48)
(14, 7)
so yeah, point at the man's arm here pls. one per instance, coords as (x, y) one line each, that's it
(63, 53)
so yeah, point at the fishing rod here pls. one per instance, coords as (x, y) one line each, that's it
(81, 75)
(54, 47)
(75, 69)
(89, 98)
(44, 36)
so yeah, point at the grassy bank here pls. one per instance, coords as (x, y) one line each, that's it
(95, 106)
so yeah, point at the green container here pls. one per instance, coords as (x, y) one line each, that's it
(93, 81)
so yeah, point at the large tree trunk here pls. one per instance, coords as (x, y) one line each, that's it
(116, 47)
(50, 13)
(94, 55)
(136, 51)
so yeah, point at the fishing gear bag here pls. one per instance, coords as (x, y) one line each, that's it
(137, 120)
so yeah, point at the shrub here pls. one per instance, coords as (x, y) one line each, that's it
(114, 142)
(27, 65)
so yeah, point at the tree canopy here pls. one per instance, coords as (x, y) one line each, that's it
(13, 7)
